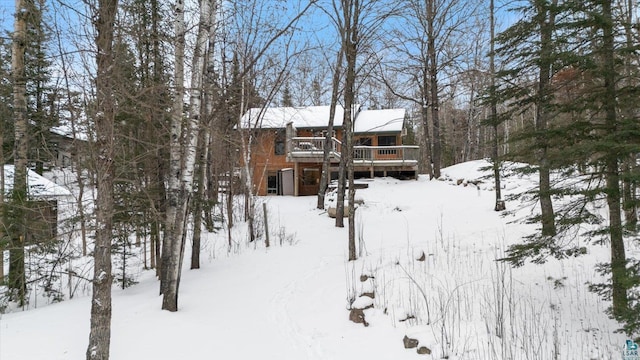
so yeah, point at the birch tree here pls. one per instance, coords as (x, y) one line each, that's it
(100, 327)
(179, 187)
(200, 113)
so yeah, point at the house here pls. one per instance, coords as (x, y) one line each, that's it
(44, 199)
(69, 144)
(288, 147)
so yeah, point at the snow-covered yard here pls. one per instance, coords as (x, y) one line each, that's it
(428, 251)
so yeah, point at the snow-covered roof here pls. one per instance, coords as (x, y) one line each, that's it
(386, 120)
(301, 117)
(37, 186)
(65, 129)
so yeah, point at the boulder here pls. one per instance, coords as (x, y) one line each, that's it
(409, 343)
(357, 316)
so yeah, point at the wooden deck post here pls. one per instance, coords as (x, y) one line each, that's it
(296, 185)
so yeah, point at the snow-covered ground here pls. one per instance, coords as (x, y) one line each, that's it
(428, 251)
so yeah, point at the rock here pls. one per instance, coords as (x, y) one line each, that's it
(357, 316)
(423, 350)
(369, 294)
(409, 317)
(409, 343)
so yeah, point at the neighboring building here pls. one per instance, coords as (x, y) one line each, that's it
(44, 199)
(68, 146)
(288, 147)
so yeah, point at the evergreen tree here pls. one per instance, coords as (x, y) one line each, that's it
(582, 92)
(286, 96)
(41, 94)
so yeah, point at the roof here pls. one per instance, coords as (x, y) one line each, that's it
(66, 130)
(387, 120)
(300, 117)
(38, 186)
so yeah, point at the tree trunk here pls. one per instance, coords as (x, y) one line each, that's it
(197, 206)
(351, 12)
(433, 87)
(499, 205)
(17, 221)
(328, 141)
(3, 222)
(424, 112)
(176, 196)
(100, 333)
(197, 112)
(613, 193)
(547, 23)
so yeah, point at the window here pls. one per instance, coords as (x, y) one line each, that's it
(272, 182)
(279, 147)
(386, 140)
(364, 141)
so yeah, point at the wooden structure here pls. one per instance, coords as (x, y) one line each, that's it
(288, 147)
(43, 201)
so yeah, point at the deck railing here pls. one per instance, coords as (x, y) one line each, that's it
(314, 146)
(301, 147)
(402, 153)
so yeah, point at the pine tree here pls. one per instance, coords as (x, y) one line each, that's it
(583, 92)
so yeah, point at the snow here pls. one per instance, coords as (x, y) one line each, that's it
(300, 117)
(386, 120)
(428, 251)
(38, 186)
(65, 129)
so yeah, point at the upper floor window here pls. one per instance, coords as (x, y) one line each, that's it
(386, 140)
(363, 141)
(279, 147)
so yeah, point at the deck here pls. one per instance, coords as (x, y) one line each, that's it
(311, 149)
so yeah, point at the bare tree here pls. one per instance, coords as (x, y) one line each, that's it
(100, 331)
(432, 40)
(325, 176)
